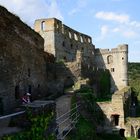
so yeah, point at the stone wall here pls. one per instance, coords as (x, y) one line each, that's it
(116, 108)
(69, 45)
(23, 64)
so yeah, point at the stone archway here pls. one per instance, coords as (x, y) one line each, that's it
(132, 131)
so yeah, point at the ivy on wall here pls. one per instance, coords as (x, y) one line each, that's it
(104, 81)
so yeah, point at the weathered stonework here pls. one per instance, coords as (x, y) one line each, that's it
(77, 50)
(24, 66)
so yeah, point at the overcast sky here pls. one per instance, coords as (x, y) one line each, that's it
(108, 22)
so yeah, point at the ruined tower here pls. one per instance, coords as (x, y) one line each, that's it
(64, 42)
(115, 60)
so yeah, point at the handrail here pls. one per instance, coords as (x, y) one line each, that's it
(13, 114)
(67, 112)
(69, 126)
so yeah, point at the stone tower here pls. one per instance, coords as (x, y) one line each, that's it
(115, 60)
(46, 28)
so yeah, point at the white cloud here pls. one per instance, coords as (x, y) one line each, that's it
(124, 26)
(30, 10)
(129, 34)
(121, 18)
(79, 6)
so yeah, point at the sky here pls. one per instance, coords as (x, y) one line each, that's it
(108, 22)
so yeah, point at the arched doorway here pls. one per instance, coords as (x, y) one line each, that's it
(139, 133)
(122, 132)
(115, 119)
(132, 131)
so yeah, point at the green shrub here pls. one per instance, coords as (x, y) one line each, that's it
(39, 125)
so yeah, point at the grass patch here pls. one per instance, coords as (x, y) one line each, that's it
(131, 138)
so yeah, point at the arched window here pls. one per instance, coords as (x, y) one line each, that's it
(70, 36)
(75, 36)
(109, 59)
(43, 26)
(81, 39)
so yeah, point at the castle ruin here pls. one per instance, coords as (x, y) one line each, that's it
(66, 44)
(27, 65)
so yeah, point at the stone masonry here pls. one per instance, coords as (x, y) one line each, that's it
(76, 48)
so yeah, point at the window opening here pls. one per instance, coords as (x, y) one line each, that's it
(109, 59)
(115, 119)
(29, 72)
(17, 92)
(1, 106)
(43, 26)
(30, 89)
(75, 36)
(112, 69)
(63, 44)
(70, 36)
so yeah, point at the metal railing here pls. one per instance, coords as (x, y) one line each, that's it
(70, 118)
(11, 115)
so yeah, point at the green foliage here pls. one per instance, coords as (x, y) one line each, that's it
(104, 83)
(39, 125)
(85, 90)
(60, 61)
(134, 77)
(105, 99)
(84, 131)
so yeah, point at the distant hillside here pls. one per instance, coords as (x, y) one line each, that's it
(134, 76)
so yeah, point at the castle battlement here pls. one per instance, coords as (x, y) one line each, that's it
(120, 48)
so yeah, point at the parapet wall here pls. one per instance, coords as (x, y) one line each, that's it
(120, 48)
